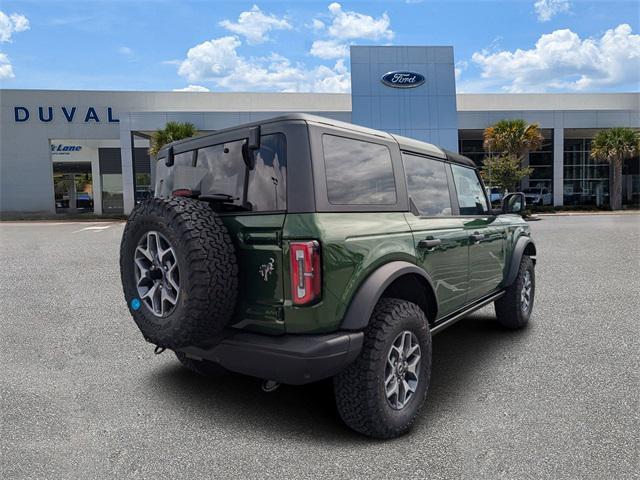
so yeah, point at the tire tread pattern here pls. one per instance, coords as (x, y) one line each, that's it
(508, 311)
(211, 269)
(356, 387)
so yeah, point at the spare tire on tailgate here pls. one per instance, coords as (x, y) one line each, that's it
(179, 271)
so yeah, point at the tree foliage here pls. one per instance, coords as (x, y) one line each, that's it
(514, 138)
(615, 145)
(171, 132)
(505, 171)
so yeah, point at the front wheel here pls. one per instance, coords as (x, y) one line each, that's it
(513, 309)
(382, 391)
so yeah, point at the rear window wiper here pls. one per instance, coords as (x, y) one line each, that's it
(227, 200)
(222, 198)
(216, 197)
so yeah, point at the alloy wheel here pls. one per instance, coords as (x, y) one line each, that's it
(402, 370)
(157, 273)
(525, 293)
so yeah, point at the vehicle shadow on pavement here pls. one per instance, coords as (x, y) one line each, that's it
(308, 413)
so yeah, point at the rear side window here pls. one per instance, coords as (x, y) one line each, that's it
(428, 185)
(358, 172)
(471, 198)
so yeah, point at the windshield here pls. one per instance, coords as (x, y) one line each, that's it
(220, 170)
(534, 191)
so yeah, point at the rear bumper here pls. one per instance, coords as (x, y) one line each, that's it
(289, 359)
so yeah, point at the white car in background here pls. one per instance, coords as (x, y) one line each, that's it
(538, 196)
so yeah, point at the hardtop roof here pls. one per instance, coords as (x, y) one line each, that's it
(405, 143)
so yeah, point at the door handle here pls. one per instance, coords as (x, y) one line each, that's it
(429, 243)
(476, 237)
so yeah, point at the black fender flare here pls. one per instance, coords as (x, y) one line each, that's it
(522, 244)
(367, 296)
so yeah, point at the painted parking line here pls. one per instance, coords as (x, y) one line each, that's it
(94, 228)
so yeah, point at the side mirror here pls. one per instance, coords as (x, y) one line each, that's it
(514, 203)
(170, 157)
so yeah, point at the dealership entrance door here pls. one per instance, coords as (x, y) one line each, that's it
(73, 187)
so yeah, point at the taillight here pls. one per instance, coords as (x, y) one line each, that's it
(182, 192)
(306, 272)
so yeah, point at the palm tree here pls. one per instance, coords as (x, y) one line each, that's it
(511, 140)
(171, 132)
(513, 137)
(615, 145)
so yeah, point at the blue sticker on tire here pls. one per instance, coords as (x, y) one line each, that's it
(135, 303)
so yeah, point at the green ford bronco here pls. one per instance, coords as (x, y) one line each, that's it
(302, 248)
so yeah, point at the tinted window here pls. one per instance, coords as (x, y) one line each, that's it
(168, 177)
(358, 172)
(224, 169)
(469, 191)
(221, 169)
(427, 184)
(268, 180)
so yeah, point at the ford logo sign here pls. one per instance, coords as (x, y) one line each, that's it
(402, 79)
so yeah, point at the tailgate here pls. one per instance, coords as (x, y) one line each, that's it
(257, 239)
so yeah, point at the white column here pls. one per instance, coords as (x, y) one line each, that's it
(96, 183)
(558, 164)
(126, 157)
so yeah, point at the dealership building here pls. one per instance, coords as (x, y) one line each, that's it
(86, 151)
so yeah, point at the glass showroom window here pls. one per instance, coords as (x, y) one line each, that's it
(472, 147)
(541, 161)
(586, 181)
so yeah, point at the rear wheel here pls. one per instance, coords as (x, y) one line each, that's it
(513, 309)
(179, 271)
(382, 391)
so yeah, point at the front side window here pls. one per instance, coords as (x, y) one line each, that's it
(358, 172)
(427, 184)
(471, 198)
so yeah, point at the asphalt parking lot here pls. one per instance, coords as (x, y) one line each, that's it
(83, 396)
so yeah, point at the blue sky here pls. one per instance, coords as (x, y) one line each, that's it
(516, 46)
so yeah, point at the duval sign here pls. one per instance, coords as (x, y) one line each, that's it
(65, 113)
(403, 79)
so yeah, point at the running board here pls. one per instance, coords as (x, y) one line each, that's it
(447, 322)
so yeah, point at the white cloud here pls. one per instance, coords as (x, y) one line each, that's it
(217, 61)
(210, 59)
(561, 60)
(347, 25)
(547, 9)
(10, 24)
(329, 49)
(254, 25)
(317, 25)
(6, 70)
(344, 26)
(192, 88)
(125, 51)
(460, 67)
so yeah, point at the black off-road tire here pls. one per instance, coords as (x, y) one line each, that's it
(207, 265)
(509, 311)
(201, 367)
(359, 389)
